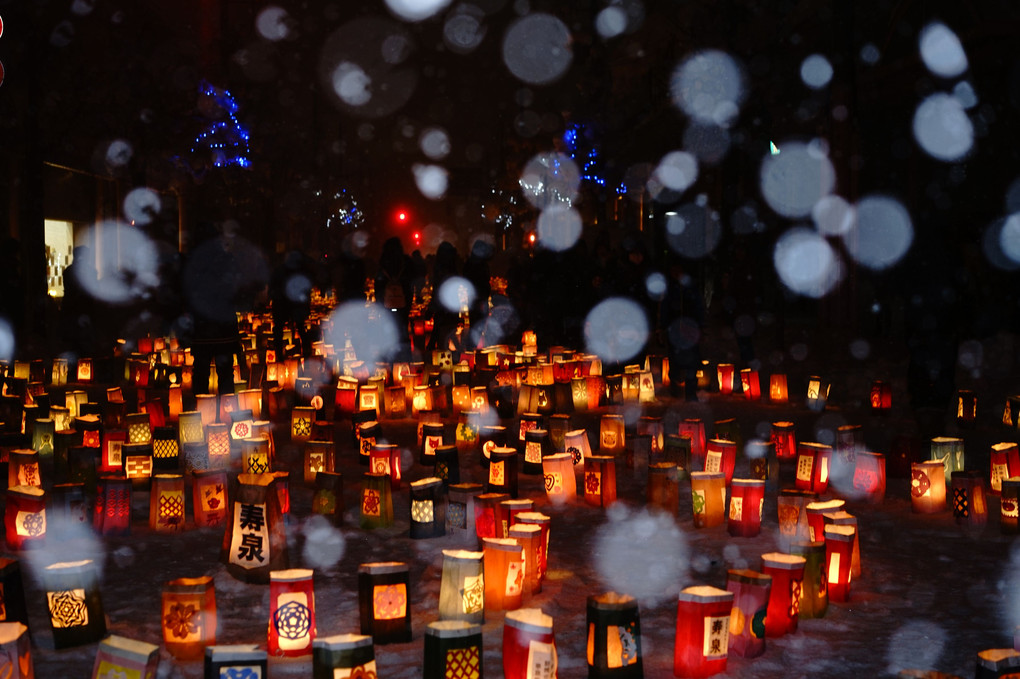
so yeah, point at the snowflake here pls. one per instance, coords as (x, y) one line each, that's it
(181, 620)
(292, 620)
(591, 483)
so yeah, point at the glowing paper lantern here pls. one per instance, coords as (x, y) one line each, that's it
(881, 397)
(558, 477)
(328, 498)
(507, 512)
(376, 501)
(949, 450)
(190, 427)
(1008, 504)
(816, 512)
(138, 427)
(725, 373)
(453, 650)
(383, 601)
(577, 446)
(319, 456)
(466, 432)
(235, 660)
(84, 370)
(502, 476)
(787, 571)
(869, 476)
(189, 616)
(614, 637)
(460, 511)
(489, 437)
(778, 392)
(702, 631)
(997, 663)
(838, 560)
(813, 463)
(301, 420)
(74, 603)
(600, 481)
(970, 506)
(708, 498)
(23, 468)
(426, 514)
(529, 537)
(842, 518)
(747, 503)
(255, 456)
(694, 429)
(814, 590)
(43, 436)
(966, 407)
(209, 497)
(1005, 462)
(503, 561)
(751, 384)
(927, 487)
(343, 655)
(535, 445)
(750, 603)
(15, 651)
(112, 509)
(291, 612)
(166, 503)
(24, 517)
(529, 647)
(817, 392)
(663, 489)
(255, 542)
(432, 437)
(612, 434)
(368, 434)
(119, 656)
(462, 588)
(651, 427)
(721, 456)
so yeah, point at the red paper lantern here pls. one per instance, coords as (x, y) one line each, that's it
(721, 456)
(839, 560)
(702, 631)
(787, 571)
(529, 648)
(881, 397)
(750, 603)
(504, 565)
(813, 464)
(751, 384)
(1005, 463)
(291, 612)
(24, 516)
(747, 502)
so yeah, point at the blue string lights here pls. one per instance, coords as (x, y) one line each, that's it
(574, 137)
(344, 210)
(227, 140)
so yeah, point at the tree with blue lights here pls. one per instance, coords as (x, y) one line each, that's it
(225, 138)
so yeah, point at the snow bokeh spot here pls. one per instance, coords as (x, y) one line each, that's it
(141, 205)
(550, 179)
(796, 178)
(559, 227)
(942, 128)
(324, 545)
(942, 51)
(371, 330)
(273, 23)
(709, 87)
(806, 262)
(881, 234)
(131, 276)
(416, 10)
(536, 48)
(641, 554)
(916, 644)
(816, 71)
(456, 293)
(435, 143)
(616, 329)
(431, 180)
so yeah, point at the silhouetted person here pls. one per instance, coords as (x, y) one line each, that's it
(393, 289)
(683, 316)
(445, 319)
(290, 292)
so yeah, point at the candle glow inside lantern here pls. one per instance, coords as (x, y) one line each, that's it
(368, 434)
(23, 468)
(119, 656)
(460, 511)
(24, 517)
(578, 446)
(291, 612)
(751, 384)
(255, 542)
(319, 456)
(558, 477)
(949, 450)
(1005, 463)
(235, 660)
(778, 392)
(432, 436)
(301, 420)
(750, 603)
(462, 588)
(600, 481)
(869, 476)
(816, 512)
(817, 392)
(787, 571)
(74, 603)
(612, 434)
(970, 506)
(189, 616)
(721, 456)
(708, 498)
(453, 650)
(1009, 504)
(927, 487)
(966, 407)
(814, 591)
(447, 465)
(881, 396)
(725, 373)
(112, 509)
(502, 476)
(694, 429)
(614, 637)
(529, 537)
(342, 655)
(209, 497)
(383, 601)
(529, 647)
(702, 631)
(839, 560)
(747, 503)
(663, 489)
(489, 437)
(426, 517)
(535, 444)
(813, 463)
(166, 503)
(843, 518)
(785, 439)
(376, 501)
(504, 566)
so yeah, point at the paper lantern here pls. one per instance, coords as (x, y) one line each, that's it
(787, 571)
(997, 663)
(535, 446)
(502, 476)
(778, 392)
(530, 538)
(291, 612)
(235, 660)
(447, 465)
(725, 373)
(421, 399)
(15, 651)
(460, 511)
(189, 616)
(578, 446)
(489, 437)
(328, 498)
(466, 432)
(453, 650)
(376, 501)
(813, 463)
(814, 590)
(881, 397)
(119, 656)
(190, 427)
(694, 429)
(43, 435)
(721, 456)
(663, 489)
(529, 647)
(342, 655)
(817, 393)
(869, 476)
(843, 518)
(462, 588)
(73, 602)
(612, 434)
(763, 463)
(970, 507)
(1005, 462)
(301, 420)
(487, 514)
(848, 444)
(676, 450)
(24, 517)
(652, 428)
(838, 560)
(600, 481)
(139, 428)
(395, 402)
(23, 468)
(84, 371)
(254, 542)
(432, 436)
(1008, 505)
(255, 456)
(702, 631)
(747, 503)
(426, 509)
(816, 512)
(367, 434)
(614, 637)
(209, 497)
(166, 503)
(507, 512)
(370, 395)
(14, 608)
(966, 407)
(112, 510)
(747, 618)
(383, 601)
(558, 477)
(346, 394)
(319, 456)
(708, 498)
(504, 564)
(165, 449)
(949, 450)
(927, 487)
(751, 384)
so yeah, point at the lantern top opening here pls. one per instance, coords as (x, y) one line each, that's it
(705, 593)
(534, 619)
(291, 575)
(783, 561)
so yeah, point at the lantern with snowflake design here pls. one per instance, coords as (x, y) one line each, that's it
(702, 631)
(74, 603)
(166, 503)
(787, 571)
(189, 616)
(462, 588)
(750, 603)
(119, 656)
(426, 515)
(343, 656)
(503, 562)
(614, 637)
(301, 420)
(927, 487)
(236, 661)
(383, 601)
(376, 501)
(291, 612)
